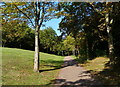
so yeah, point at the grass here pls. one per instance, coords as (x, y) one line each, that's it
(73, 56)
(17, 67)
(97, 64)
(100, 71)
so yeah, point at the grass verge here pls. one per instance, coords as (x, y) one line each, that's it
(100, 71)
(17, 67)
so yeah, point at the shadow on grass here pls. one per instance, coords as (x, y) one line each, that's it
(108, 77)
(81, 59)
(49, 69)
(63, 64)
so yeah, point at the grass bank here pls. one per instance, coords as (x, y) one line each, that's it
(17, 67)
(100, 71)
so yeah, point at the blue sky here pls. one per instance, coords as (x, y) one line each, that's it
(54, 23)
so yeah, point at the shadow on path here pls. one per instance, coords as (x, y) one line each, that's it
(73, 75)
(78, 83)
(66, 64)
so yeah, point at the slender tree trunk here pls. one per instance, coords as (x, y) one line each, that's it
(87, 51)
(62, 53)
(73, 52)
(20, 45)
(110, 38)
(78, 52)
(2, 44)
(36, 57)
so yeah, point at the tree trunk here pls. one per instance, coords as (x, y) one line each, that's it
(36, 57)
(73, 52)
(110, 38)
(87, 51)
(20, 46)
(62, 53)
(68, 53)
(2, 44)
(78, 52)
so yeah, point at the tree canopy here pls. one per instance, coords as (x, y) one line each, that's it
(90, 29)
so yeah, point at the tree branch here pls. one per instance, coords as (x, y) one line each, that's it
(25, 15)
(42, 17)
(92, 6)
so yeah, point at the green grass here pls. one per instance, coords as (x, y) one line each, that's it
(17, 67)
(97, 64)
(100, 71)
(73, 56)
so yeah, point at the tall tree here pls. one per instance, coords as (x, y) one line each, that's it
(69, 44)
(82, 18)
(35, 13)
(13, 32)
(109, 30)
(48, 38)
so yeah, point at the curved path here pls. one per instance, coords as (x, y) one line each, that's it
(72, 74)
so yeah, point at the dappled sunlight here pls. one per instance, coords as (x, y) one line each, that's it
(97, 64)
(102, 72)
(74, 75)
(73, 50)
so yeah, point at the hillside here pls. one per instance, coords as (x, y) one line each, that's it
(17, 67)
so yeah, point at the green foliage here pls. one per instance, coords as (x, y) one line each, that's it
(48, 38)
(17, 34)
(85, 25)
(26, 11)
(90, 19)
(69, 43)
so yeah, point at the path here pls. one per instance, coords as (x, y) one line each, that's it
(72, 74)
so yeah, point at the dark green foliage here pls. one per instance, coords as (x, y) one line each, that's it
(84, 22)
(17, 35)
(116, 33)
(48, 39)
(90, 19)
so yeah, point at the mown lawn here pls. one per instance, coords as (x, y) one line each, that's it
(17, 67)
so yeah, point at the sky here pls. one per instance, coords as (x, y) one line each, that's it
(54, 23)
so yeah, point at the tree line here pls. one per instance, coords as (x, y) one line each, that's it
(95, 28)
(16, 34)
(89, 29)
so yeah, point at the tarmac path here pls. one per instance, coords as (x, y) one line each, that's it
(74, 75)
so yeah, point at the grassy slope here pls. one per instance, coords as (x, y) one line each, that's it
(98, 69)
(18, 67)
(97, 64)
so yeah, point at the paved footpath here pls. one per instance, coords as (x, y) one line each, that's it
(73, 74)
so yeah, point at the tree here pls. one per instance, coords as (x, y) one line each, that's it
(114, 15)
(12, 31)
(17, 34)
(82, 18)
(35, 13)
(97, 20)
(109, 30)
(69, 44)
(48, 39)
(106, 11)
